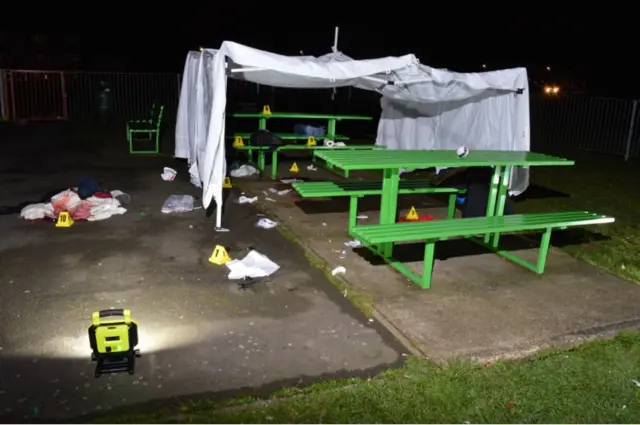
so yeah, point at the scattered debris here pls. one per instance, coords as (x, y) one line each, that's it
(284, 192)
(362, 217)
(246, 200)
(244, 171)
(353, 244)
(254, 265)
(338, 270)
(289, 181)
(178, 203)
(312, 167)
(265, 223)
(270, 199)
(168, 174)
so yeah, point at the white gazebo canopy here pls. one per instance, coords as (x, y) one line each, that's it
(422, 107)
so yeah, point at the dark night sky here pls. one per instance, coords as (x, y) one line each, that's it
(594, 50)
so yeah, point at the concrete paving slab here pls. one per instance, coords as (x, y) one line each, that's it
(199, 333)
(480, 306)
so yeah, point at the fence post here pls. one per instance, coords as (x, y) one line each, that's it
(627, 151)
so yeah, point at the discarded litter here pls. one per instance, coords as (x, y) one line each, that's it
(353, 244)
(312, 167)
(221, 229)
(168, 174)
(270, 199)
(284, 192)
(636, 382)
(246, 200)
(265, 223)
(362, 217)
(178, 203)
(338, 270)
(254, 265)
(289, 181)
(244, 171)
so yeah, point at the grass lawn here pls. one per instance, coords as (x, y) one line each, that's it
(593, 383)
(599, 184)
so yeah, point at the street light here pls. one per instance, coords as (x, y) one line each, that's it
(551, 90)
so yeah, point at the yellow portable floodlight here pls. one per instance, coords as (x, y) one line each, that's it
(113, 336)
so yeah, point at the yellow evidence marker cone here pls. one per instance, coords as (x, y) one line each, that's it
(227, 183)
(266, 110)
(219, 256)
(238, 142)
(311, 141)
(64, 220)
(412, 215)
(294, 168)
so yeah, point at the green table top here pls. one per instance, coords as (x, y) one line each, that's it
(303, 116)
(396, 159)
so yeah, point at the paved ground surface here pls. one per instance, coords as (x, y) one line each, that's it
(480, 306)
(199, 332)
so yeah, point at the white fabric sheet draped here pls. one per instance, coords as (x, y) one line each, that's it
(422, 107)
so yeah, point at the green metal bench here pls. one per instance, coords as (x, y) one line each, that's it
(150, 128)
(359, 189)
(274, 153)
(148, 120)
(433, 231)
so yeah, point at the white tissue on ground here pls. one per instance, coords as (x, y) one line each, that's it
(265, 223)
(254, 265)
(244, 171)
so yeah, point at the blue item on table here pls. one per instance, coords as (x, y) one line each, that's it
(309, 130)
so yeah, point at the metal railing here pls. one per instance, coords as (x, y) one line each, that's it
(602, 125)
(76, 96)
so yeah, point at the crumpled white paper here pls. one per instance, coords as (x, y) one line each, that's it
(253, 265)
(168, 174)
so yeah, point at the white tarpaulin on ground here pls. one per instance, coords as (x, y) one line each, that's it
(423, 107)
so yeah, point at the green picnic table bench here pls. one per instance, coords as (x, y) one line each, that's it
(332, 119)
(381, 237)
(262, 150)
(359, 189)
(149, 127)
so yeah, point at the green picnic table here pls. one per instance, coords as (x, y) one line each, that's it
(331, 119)
(276, 150)
(381, 237)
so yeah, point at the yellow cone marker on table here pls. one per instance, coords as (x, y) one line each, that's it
(219, 256)
(238, 142)
(227, 183)
(311, 141)
(294, 168)
(64, 220)
(412, 215)
(266, 110)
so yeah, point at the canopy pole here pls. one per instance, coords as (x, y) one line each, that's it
(335, 50)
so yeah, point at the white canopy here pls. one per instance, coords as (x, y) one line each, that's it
(422, 107)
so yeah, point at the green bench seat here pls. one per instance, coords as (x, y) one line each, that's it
(358, 189)
(149, 128)
(292, 136)
(433, 231)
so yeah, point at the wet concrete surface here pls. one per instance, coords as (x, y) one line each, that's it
(199, 332)
(480, 306)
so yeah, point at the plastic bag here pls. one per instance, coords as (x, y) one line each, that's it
(178, 203)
